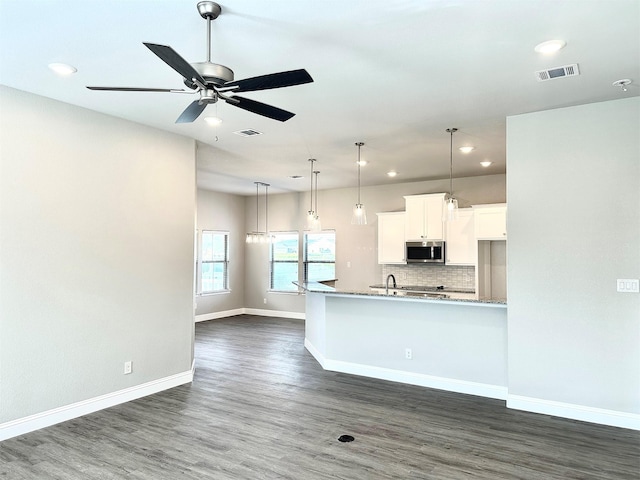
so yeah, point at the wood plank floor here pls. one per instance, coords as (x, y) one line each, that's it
(260, 407)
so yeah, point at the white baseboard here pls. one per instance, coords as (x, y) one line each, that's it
(315, 352)
(78, 409)
(274, 313)
(411, 378)
(575, 412)
(249, 311)
(215, 315)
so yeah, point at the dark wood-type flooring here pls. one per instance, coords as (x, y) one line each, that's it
(260, 407)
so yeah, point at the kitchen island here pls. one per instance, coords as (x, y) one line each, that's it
(445, 343)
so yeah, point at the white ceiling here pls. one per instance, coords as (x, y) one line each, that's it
(393, 74)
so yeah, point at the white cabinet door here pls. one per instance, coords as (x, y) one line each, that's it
(424, 217)
(490, 221)
(461, 245)
(414, 220)
(391, 237)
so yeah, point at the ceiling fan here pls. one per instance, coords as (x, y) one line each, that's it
(213, 81)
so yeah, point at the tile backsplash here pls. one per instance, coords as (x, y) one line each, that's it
(431, 275)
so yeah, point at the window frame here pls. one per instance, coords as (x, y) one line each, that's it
(293, 288)
(305, 257)
(225, 262)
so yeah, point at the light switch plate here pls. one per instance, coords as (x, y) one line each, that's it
(628, 285)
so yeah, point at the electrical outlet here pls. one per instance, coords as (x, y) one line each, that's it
(628, 285)
(264, 300)
(408, 354)
(127, 367)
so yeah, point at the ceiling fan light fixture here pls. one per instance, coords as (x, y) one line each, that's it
(62, 69)
(550, 46)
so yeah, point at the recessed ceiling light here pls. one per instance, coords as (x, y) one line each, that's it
(213, 121)
(392, 173)
(62, 68)
(622, 83)
(362, 163)
(550, 46)
(486, 163)
(466, 149)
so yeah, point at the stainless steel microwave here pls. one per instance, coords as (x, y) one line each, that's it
(425, 252)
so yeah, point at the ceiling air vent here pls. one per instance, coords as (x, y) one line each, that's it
(249, 132)
(558, 72)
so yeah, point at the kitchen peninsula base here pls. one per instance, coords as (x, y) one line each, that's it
(455, 346)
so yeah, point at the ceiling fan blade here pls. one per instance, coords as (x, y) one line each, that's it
(265, 82)
(135, 89)
(192, 112)
(260, 108)
(169, 56)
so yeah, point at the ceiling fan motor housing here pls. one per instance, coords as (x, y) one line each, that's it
(212, 73)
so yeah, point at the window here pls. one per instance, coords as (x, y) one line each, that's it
(319, 256)
(214, 262)
(284, 261)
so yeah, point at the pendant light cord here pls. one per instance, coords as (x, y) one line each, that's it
(451, 165)
(451, 132)
(257, 208)
(316, 174)
(311, 188)
(359, 144)
(266, 208)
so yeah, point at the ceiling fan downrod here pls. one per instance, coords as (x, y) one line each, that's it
(209, 11)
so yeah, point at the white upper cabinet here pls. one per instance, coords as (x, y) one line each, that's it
(424, 217)
(461, 247)
(491, 221)
(391, 237)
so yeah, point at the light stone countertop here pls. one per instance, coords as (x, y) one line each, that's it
(317, 287)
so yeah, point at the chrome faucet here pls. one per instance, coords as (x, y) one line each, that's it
(394, 282)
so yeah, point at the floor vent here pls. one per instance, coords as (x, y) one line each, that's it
(558, 72)
(249, 132)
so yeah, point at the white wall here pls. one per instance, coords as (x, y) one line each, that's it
(225, 212)
(97, 234)
(574, 228)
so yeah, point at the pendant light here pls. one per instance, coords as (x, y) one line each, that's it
(311, 214)
(359, 216)
(316, 226)
(259, 236)
(451, 203)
